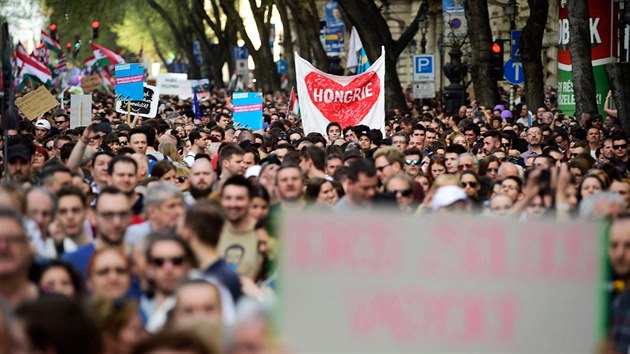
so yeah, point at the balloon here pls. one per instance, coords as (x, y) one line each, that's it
(74, 80)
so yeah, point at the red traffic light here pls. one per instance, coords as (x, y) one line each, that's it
(95, 24)
(495, 48)
(68, 45)
(53, 27)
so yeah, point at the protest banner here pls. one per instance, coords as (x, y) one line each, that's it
(347, 100)
(173, 84)
(129, 82)
(202, 87)
(247, 110)
(90, 83)
(388, 283)
(36, 103)
(147, 107)
(80, 110)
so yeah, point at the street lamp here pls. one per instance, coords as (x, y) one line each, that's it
(423, 21)
(510, 9)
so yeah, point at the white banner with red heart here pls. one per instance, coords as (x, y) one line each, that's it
(347, 100)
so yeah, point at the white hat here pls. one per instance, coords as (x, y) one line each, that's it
(42, 123)
(253, 171)
(447, 195)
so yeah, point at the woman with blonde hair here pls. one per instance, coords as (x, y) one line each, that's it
(459, 139)
(119, 323)
(170, 150)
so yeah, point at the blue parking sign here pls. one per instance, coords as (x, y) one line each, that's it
(423, 67)
(240, 53)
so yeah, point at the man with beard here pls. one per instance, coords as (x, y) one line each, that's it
(201, 178)
(238, 244)
(112, 215)
(123, 175)
(19, 158)
(534, 138)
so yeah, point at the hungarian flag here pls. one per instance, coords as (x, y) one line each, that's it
(61, 65)
(105, 56)
(347, 100)
(106, 79)
(294, 104)
(90, 61)
(20, 48)
(50, 43)
(32, 68)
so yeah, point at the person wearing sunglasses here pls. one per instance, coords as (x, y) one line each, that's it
(472, 185)
(413, 161)
(620, 147)
(388, 161)
(169, 260)
(402, 188)
(62, 122)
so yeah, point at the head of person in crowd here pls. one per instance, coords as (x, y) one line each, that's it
(58, 277)
(501, 205)
(621, 187)
(138, 140)
(201, 228)
(197, 301)
(231, 160)
(169, 260)
(236, 198)
(512, 187)
(259, 206)
(72, 212)
(321, 192)
(402, 188)
(590, 184)
(182, 341)
(19, 161)
(55, 176)
(620, 147)
(109, 273)
(361, 184)
(400, 140)
(489, 166)
(619, 247)
(413, 161)
(42, 130)
(165, 171)
(201, 178)
(333, 131)
(57, 324)
(388, 162)
(491, 141)
(436, 168)
(289, 185)
(119, 323)
(62, 121)
(112, 215)
(471, 184)
(15, 259)
(41, 207)
(467, 161)
(332, 162)
(451, 158)
(164, 205)
(99, 168)
(449, 198)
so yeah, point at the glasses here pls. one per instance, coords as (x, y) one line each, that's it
(122, 143)
(58, 122)
(415, 162)
(404, 192)
(471, 184)
(13, 239)
(381, 168)
(161, 261)
(182, 179)
(495, 170)
(111, 215)
(104, 271)
(50, 148)
(618, 147)
(467, 166)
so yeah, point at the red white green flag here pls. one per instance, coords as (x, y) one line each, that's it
(50, 42)
(106, 56)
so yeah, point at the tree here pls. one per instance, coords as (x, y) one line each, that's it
(307, 27)
(531, 49)
(486, 90)
(374, 31)
(580, 47)
(288, 37)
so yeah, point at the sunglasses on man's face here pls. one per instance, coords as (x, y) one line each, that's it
(161, 261)
(618, 147)
(415, 162)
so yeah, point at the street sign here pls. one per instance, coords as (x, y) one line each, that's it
(423, 67)
(425, 89)
(515, 40)
(513, 72)
(242, 69)
(240, 53)
(281, 66)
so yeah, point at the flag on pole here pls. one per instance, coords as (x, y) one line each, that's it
(90, 61)
(196, 109)
(20, 48)
(294, 104)
(357, 57)
(347, 100)
(364, 62)
(62, 65)
(232, 84)
(50, 43)
(105, 56)
(33, 69)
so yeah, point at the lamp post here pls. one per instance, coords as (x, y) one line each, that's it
(423, 21)
(510, 9)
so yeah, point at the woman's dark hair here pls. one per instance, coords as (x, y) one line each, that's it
(313, 188)
(75, 277)
(483, 164)
(161, 168)
(181, 341)
(258, 191)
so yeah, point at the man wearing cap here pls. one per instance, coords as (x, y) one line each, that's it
(19, 158)
(199, 142)
(449, 199)
(42, 131)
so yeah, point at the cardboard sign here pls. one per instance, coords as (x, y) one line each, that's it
(80, 110)
(129, 82)
(202, 87)
(248, 110)
(36, 103)
(174, 85)
(390, 283)
(146, 107)
(90, 83)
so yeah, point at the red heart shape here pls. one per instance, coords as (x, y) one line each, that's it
(347, 105)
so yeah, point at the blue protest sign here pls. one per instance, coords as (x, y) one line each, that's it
(129, 82)
(248, 110)
(281, 66)
(513, 72)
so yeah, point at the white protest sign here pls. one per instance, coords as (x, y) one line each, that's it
(146, 108)
(173, 84)
(386, 283)
(80, 110)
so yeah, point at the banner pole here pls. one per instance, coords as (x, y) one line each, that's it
(128, 112)
(81, 113)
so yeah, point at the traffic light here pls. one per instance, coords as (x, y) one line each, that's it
(68, 47)
(53, 31)
(77, 47)
(95, 26)
(496, 60)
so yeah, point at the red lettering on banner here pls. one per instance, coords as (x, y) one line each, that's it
(348, 105)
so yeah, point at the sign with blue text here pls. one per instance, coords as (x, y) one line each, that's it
(240, 53)
(129, 82)
(248, 110)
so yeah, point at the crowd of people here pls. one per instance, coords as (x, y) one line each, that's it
(135, 235)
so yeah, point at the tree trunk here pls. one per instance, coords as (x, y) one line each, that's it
(531, 52)
(580, 47)
(618, 77)
(307, 28)
(486, 91)
(289, 57)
